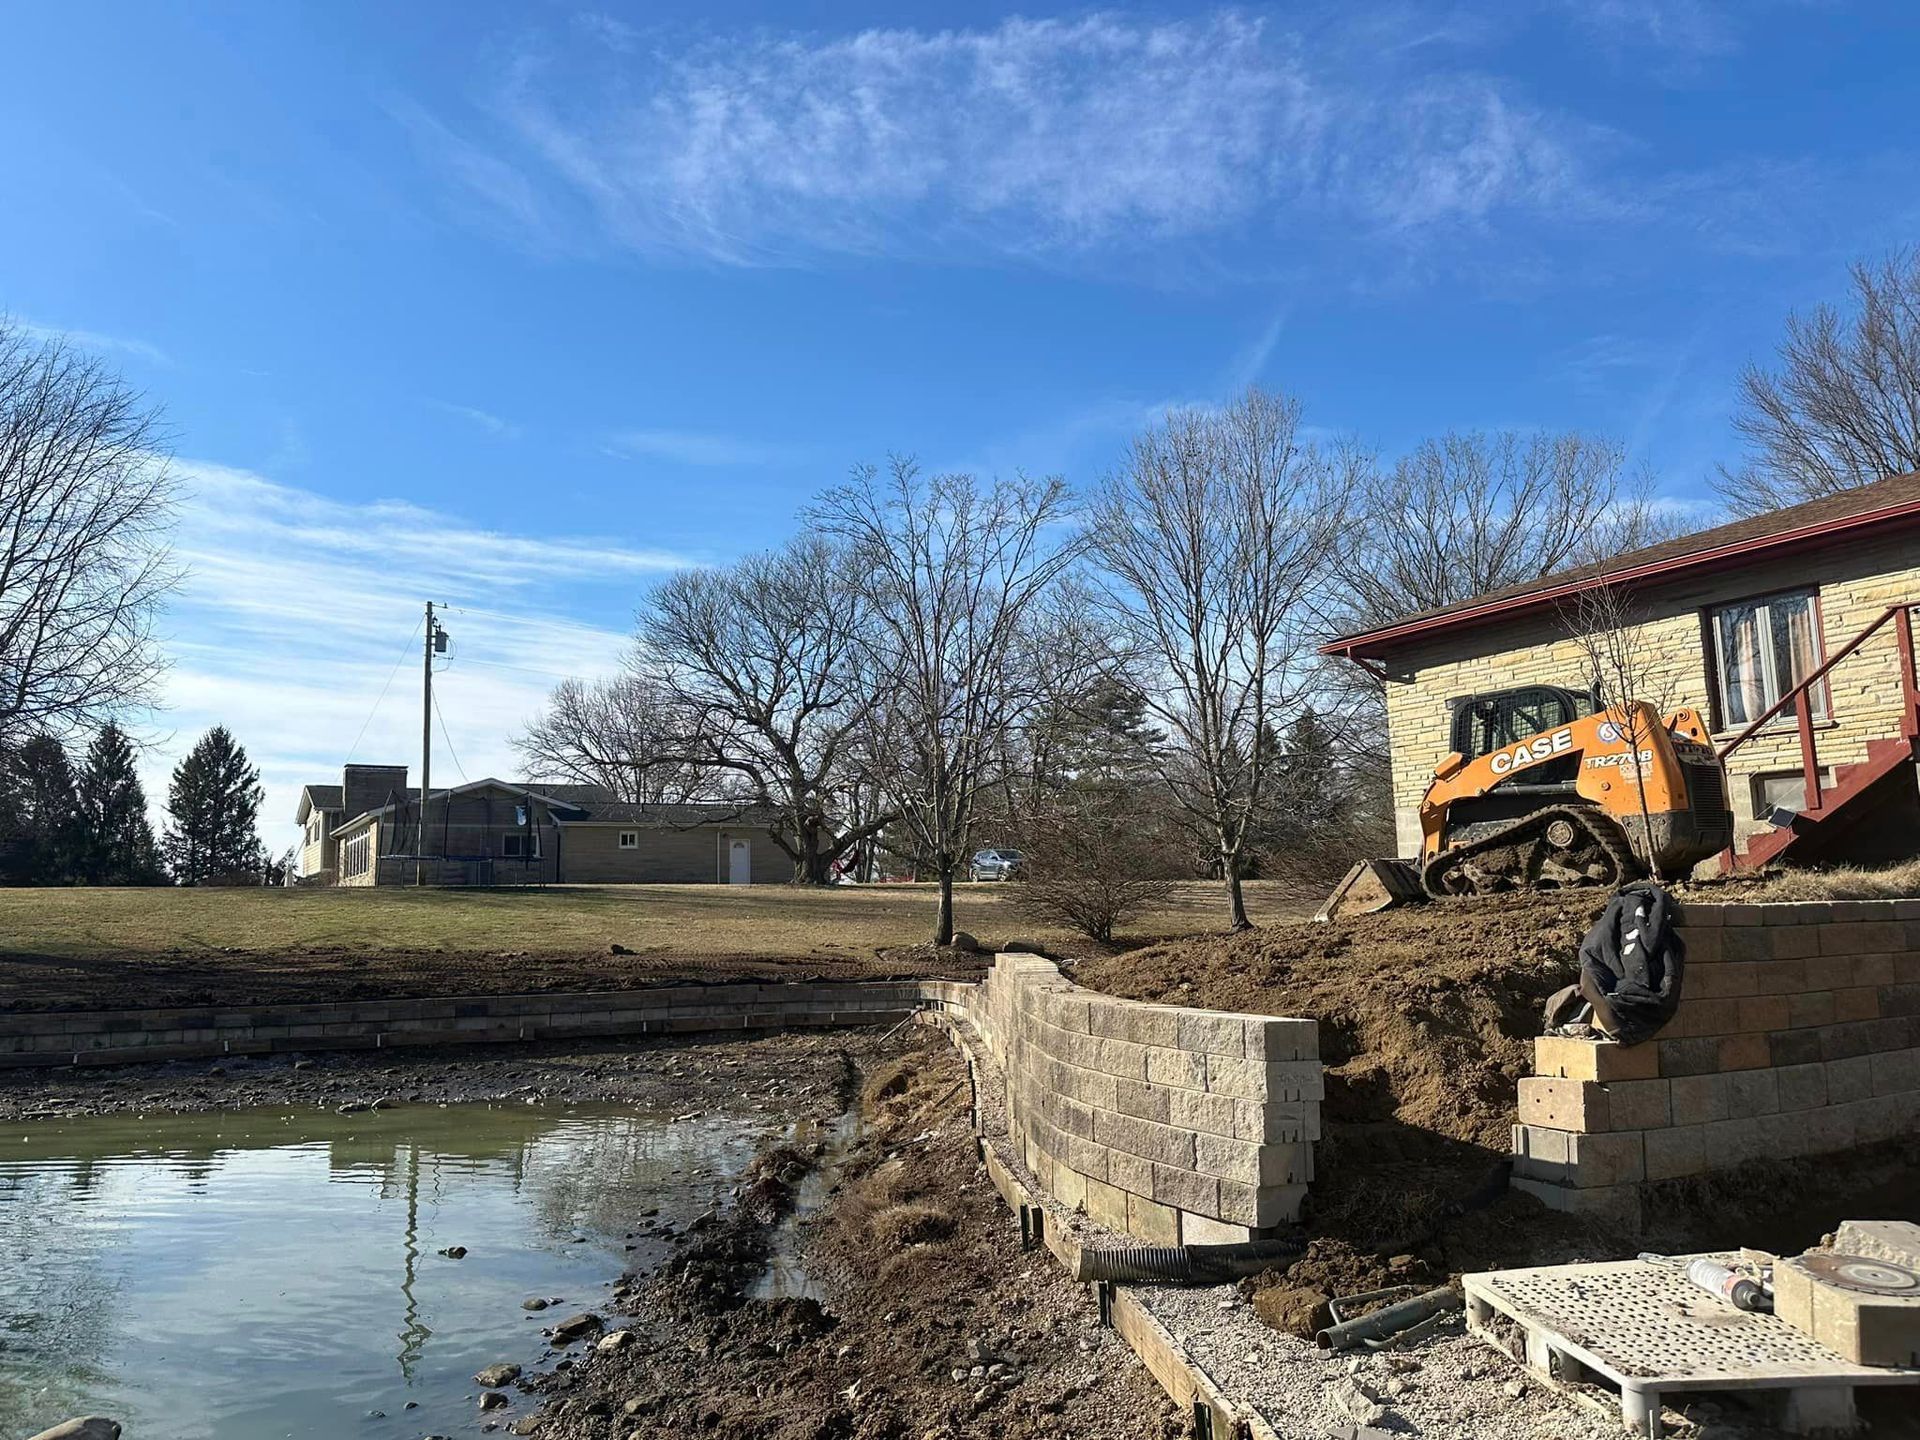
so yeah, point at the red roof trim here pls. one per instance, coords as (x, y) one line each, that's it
(1375, 643)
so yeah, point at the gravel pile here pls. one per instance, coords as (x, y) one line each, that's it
(1448, 1388)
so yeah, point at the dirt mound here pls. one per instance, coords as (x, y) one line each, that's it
(1426, 1014)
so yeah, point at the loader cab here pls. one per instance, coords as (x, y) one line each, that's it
(1498, 718)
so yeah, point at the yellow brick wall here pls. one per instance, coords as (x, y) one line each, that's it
(1853, 587)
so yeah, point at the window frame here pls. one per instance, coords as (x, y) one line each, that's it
(1822, 693)
(628, 840)
(513, 837)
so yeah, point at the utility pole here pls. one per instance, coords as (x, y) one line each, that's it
(436, 644)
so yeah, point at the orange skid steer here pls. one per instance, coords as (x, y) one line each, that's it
(1596, 799)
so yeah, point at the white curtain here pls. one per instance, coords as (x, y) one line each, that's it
(1742, 664)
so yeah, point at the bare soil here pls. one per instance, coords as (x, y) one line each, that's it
(933, 1323)
(1427, 1017)
(265, 977)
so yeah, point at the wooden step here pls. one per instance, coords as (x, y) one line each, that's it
(1849, 781)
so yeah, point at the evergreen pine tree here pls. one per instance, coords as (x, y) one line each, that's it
(41, 824)
(213, 803)
(117, 846)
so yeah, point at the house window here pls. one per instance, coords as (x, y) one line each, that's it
(1762, 649)
(1783, 790)
(629, 839)
(353, 857)
(521, 847)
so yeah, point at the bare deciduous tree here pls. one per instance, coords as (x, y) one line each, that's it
(769, 662)
(622, 733)
(1632, 677)
(84, 500)
(952, 569)
(1469, 513)
(1843, 409)
(1213, 539)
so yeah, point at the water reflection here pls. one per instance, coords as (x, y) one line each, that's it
(271, 1273)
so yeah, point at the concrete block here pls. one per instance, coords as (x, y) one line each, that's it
(1801, 1087)
(1139, 1024)
(1797, 1047)
(1746, 945)
(1107, 1205)
(1899, 999)
(1717, 982)
(1795, 942)
(1824, 972)
(1730, 1143)
(1260, 1080)
(1895, 1241)
(1286, 1165)
(1282, 1039)
(1862, 938)
(1698, 1056)
(1214, 1033)
(1620, 1205)
(1148, 1102)
(1260, 1205)
(1698, 1099)
(1896, 1072)
(1744, 1052)
(1277, 1122)
(1765, 1013)
(1177, 1068)
(1089, 1157)
(1069, 1187)
(1132, 1173)
(1565, 1104)
(1164, 1143)
(1861, 1328)
(1811, 1007)
(1780, 977)
(1889, 1032)
(1874, 970)
(1228, 1159)
(1639, 1104)
(1850, 1079)
(1197, 1229)
(1752, 1092)
(1152, 1222)
(1675, 1152)
(1599, 1060)
(1184, 1190)
(1209, 1114)
(1120, 1058)
(1860, 1002)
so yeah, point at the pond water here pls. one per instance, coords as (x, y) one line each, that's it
(266, 1273)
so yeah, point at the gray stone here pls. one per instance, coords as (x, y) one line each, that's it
(1360, 1400)
(493, 1400)
(536, 1303)
(575, 1326)
(494, 1377)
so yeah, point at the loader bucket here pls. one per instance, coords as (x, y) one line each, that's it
(1373, 885)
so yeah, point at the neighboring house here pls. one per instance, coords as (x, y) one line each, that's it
(365, 831)
(1738, 616)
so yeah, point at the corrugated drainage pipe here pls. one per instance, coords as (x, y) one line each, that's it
(1186, 1264)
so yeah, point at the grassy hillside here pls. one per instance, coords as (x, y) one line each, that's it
(694, 920)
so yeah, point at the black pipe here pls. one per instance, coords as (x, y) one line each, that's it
(1186, 1264)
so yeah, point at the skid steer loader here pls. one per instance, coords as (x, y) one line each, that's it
(1543, 790)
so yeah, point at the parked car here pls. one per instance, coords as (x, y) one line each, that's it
(998, 864)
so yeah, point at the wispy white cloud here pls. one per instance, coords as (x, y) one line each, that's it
(493, 424)
(298, 627)
(1683, 29)
(1028, 137)
(96, 341)
(693, 447)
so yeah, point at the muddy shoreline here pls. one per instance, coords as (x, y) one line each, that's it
(791, 1076)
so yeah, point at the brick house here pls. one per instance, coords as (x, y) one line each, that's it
(364, 831)
(1740, 617)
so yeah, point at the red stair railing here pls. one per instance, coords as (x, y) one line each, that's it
(1798, 697)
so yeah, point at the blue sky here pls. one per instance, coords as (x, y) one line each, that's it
(519, 305)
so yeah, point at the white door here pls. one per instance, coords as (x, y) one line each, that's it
(739, 863)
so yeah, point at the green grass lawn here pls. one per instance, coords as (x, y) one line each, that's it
(770, 921)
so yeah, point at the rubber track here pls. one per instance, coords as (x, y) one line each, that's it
(1603, 831)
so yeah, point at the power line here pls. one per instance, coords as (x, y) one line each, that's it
(451, 752)
(405, 651)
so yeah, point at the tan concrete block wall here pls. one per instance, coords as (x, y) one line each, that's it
(1864, 691)
(1798, 1034)
(1178, 1126)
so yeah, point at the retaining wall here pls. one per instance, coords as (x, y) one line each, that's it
(1798, 1033)
(1176, 1126)
(122, 1037)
